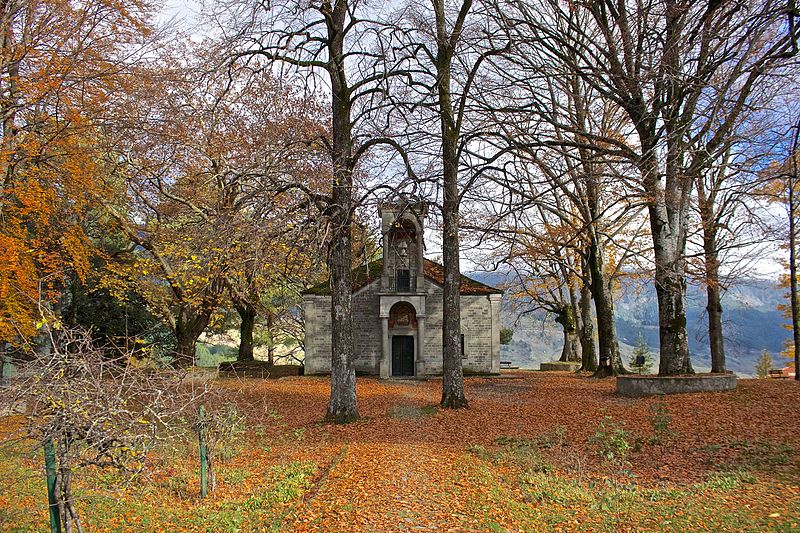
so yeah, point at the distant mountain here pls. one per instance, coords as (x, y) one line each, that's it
(751, 323)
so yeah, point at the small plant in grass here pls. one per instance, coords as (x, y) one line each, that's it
(220, 431)
(479, 451)
(761, 455)
(272, 413)
(612, 441)
(660, 420)
(548, 440)
(523, 452)
(728, 480)
(712, 449)
(228, 425)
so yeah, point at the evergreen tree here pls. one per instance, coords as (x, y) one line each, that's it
(506, 334)
(641, 349)
(764, 365)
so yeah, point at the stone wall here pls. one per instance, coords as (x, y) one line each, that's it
(367, 329)
(317, 312)
(480, 323)
(652, 385)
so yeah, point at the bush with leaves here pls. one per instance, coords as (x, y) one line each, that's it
(89, 407)
(764, 365)
(612, 441)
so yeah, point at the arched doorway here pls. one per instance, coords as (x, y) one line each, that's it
(403, 325)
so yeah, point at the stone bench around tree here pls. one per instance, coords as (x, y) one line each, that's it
(651, 385)
(559, 366)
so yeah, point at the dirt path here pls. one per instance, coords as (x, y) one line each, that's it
(398, 487)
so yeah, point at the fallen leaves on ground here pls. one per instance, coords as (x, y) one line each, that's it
(519, 459)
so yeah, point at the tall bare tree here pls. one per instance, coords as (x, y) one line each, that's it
(447, 47)
(656, 62)
(337, 48)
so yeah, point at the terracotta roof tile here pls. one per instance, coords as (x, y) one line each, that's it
(433, 271)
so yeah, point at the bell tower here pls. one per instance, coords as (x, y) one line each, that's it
(402, 229)
(403, 289)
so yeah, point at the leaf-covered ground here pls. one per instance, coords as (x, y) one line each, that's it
(535, 451)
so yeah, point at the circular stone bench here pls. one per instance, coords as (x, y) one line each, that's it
(650, 385)
(564, 366)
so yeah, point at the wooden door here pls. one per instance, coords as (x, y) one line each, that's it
(402, 355)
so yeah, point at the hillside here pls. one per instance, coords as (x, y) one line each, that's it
(752, 323)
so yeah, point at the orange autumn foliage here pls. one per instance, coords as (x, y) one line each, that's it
(59, 62)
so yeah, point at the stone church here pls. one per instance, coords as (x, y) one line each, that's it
(397, 309)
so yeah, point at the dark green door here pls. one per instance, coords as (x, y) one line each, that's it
(402, 355)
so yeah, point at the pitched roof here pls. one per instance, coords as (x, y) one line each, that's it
(363, 276)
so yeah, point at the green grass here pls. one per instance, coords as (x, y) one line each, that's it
(104, 501)
(411, 411)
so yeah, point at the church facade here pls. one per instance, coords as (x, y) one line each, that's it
(397, 309)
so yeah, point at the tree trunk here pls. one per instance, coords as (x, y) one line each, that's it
(188, 328)
(716, 342)
(453, 396)
(248, 315)
(670, 282)
(9, 104)
(793, 289)
(667, 211)
(586, 331)
(186, 349)
(271, 339)
(342, 407)
(571, 349)
(610, 358)
(671, 293)
(713, 289)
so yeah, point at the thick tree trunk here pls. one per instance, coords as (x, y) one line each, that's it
(9, 104)
(588, 352)
(671, 293)
(670, 282)
(715, 339)
(186, 350)
(342, 407)
(453, 396)
(572, 346)
(248, 315)
(793, 289)
(610, 358)
(188, 328)
(667, 211)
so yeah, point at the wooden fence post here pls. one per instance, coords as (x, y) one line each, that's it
(201, 426)
(50, 470)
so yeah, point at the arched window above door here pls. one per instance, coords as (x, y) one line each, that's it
(402, 315)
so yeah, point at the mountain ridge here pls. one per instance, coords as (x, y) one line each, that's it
(751, 323)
